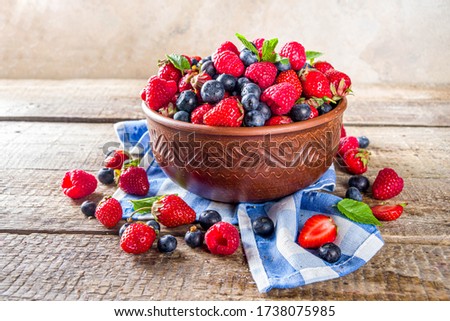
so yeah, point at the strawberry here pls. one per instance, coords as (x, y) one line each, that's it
(388, 212)
(296, 54)
(116, 158)
(133, 180)
(318, 230)
(199, 112)
(172, 211)
(387, 184)
(347, 143)
(280, 98)
(315, 84)
(185, 81)
(159, 92)
(322, 66)
(137, 238)
(222, 238)
(227, 45)
(227, 113)
(78, 183)
(340, 83)
(109, 212)
(278, 120)
(343, 132)
(290, 76)
(168, 71)
(262, 73)
(314, 112)
(228, 62)
(356, 160)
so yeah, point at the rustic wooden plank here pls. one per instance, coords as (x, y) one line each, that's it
(92, 267)
(110, 100)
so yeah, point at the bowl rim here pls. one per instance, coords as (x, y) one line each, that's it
(245, 131)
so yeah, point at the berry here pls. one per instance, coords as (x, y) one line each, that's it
(363, 142)
(88, 208)
(250, 102)
(185, 81)
(343, 132)
(123, 228)
(340, 83)
(159, 92)
(208, 218)
(168, 71)
(356, 160)
(228, 62)
(226, 46)
(300, 112)
(258, 42)
(212, 91)
(242, 81)
(278, 120)
(322, 66)
(262, 73)
(182, 116)
(172, 211)
(228, 82)
(291, 77)
(360, 182)
(208, 67)
(282, 67)
(248, 57)
(314, 112)
(251, 89)
(254, 118)
(222, 238)
(388, 212)
(199, 112)
(167, 243)
(296, 54)
(78, 183)
(115, 159)
(280, 98)
(264, 110)
(153, 224)
(194, 237)
(137, 238)
(324, 108)
(318, 230)
(354, 194)
(387, 184)
(347, 143)
(187, 101)
(106, 176)
(263, 226)
(227, 113)
(134, 181)
(329, 252)
(109, 212)
(315, 84)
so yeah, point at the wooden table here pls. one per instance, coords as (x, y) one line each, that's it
(49, 251)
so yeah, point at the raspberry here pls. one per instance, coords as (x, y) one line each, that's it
(280, 98)
(227, 62)
(222, 238)
(387, 184)
(296, 54)
(262, 73)
(78, 183)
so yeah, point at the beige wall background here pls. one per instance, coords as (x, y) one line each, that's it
(373, 41)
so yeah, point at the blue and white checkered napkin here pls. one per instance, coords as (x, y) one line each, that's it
(275, 262)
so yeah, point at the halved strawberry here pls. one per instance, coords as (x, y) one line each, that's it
(317, 230)
(388, 212)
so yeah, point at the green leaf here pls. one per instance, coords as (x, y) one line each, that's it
(247, 44)
(312, 54)
(281, 59)
(180, 62)
(357, 211)
(268, 50)
(144, 205)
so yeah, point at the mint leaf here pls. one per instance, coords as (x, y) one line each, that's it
(144, 205)
(357, 211)
(247, 44)
(311, 55)
(281, 59)
(180, 62)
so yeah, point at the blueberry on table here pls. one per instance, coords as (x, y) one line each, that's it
(167, 243)
(250, 102)
(155, 225)
(123, 228)
(363, 141)
(360, 182)
(187, 101)
(208, 218)
(106, 176)
(88, 208)
(300, 112)
(354, 194)
(248, 57)
(228, 81)
(182, 116)
(263, 226)
(251, 88)
(254, 118)
(194, 237)
(330, 252)
(212, 91)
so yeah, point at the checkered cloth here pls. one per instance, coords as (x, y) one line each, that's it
(277, 261)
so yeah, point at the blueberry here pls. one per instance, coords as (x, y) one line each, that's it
(194, 237)
(241, 82)
(251, 88)
(106, 176)
(182, 116)
(194, 61)
(207, 58)
(360, 182)
(300, 112)
(363, 141)
(88, 208)
(248, 57)
(354, 194)
(307, 65)
(167, 243)
(187, 101)
(208, 67)
(208, 218)
(254, 118)
(282, 67)
(325, 108)
(250, 102)
(155, 225)
(212, 91)
(123, 228)
(265, 110)
(263, 226)
(330, 252)
(228, 81)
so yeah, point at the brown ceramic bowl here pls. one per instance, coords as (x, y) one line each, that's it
(245, 164)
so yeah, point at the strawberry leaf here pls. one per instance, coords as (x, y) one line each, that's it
(247, 44)
(180, 62)
(268, 50)
(357, 211)
(311, 55)
(144, 205)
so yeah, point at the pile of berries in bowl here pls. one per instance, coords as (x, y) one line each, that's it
(246, 125)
